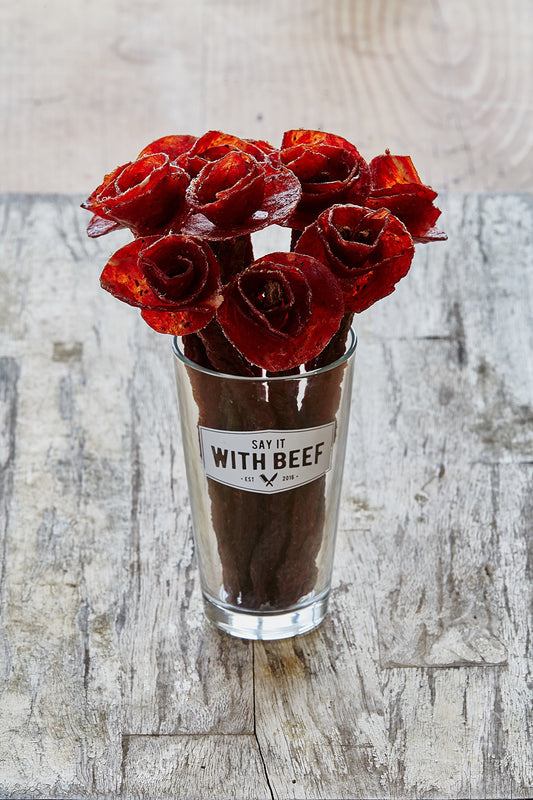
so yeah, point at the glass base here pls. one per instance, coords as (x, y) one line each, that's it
(267, 624)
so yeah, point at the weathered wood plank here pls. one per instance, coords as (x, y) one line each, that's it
(9, 373)
(438, 406)
(183, 678)
(99, 541)
(59, 707)
(85, 87)
(444, 480)
(189, 767)
(466, 732)
(433, 598)
(320, 716)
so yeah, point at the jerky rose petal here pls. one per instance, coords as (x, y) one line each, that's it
(177, 323)
(214, 145)
(368, 251)
(395, 185)
(101, 223)
(99, 226)
(123, 278)
(173, 146)
(145, 195)
(282, 310)
(330, 170)
(175, 278)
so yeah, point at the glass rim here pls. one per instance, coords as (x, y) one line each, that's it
(351, 344)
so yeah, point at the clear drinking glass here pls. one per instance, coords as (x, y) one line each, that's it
(264, 459)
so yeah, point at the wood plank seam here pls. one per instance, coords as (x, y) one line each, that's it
(261, 754)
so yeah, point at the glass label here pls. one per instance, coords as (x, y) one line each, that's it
(267, 461)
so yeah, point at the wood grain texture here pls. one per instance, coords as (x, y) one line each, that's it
(194, 766)
(83, 87)
(89, 518)
(419, 682)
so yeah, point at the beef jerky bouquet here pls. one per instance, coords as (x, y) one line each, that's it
(274, 324)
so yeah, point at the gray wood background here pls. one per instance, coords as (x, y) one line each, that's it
(420, 682)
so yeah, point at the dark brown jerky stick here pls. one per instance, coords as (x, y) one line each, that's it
(253, 514)
(233, 255)
(229, 506)
(276, 509)
(194, 350)
(210, 414)
(283, 564)
(255, 517)
(296, 572)
(240, 517)
(218, 409)
(295, 235)
(336, 347)
(222, 354)
(284, 558)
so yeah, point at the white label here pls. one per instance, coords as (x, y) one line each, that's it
(267, 461)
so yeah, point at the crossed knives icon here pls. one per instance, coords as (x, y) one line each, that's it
(269, 481)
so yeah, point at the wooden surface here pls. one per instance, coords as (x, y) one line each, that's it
(84, 86)
(419, 683)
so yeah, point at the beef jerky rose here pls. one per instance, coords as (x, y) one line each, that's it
(214, 145)
(330, 170)
(229, 190)
(237, 195)
(368, 251)
(282, 310)
(145, 195)
(395, 185)
(173, 279)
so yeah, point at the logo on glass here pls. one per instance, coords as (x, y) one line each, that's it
(267, 461)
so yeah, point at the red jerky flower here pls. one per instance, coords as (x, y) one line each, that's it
(368, 251)
(282, 310)
(145, 195)
(214, 145)
(395, 185)
(173, 146)
(229, 190)
(173, 279)
(238, 195)
(330, 170)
